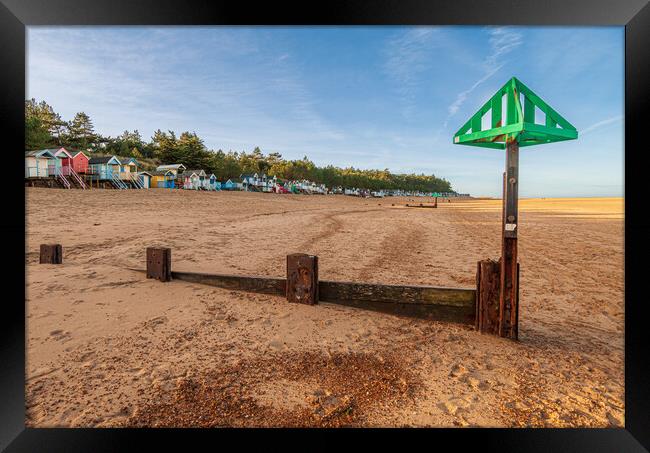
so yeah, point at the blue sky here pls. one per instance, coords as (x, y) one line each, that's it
(370, 97)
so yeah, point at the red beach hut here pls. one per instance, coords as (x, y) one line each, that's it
(80, 162)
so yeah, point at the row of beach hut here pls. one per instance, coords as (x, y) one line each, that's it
(77, 170)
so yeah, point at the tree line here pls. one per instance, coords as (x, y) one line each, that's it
(44, 128)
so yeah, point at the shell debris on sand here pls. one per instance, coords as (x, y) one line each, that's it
(340, 389)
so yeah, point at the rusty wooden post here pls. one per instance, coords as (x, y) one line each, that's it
(302, 278)
(435, 202)
(509, 295)
(487, 296)
(159, 263)
(51, 254)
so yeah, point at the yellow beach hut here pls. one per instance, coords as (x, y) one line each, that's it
(163, 179)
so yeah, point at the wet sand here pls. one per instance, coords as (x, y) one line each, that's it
(107, 347)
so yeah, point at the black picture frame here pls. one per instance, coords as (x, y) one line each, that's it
(15, 15)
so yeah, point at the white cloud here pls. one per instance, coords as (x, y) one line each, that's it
(600, 124)
(502, 41)
(408, 56)
(216, 82)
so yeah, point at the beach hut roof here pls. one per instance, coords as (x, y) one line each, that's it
(144, 173)
(162, 173)
(104, 160)
(171, 167)
(40, 153)
(57, 151)
(80, 152)
(127, 160)
(198, 172)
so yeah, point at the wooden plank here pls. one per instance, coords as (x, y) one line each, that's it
(429, 302)
(433, 312)
(302, 279)
(264, 285)
(51, 254)
(425, 295)
(435, 205)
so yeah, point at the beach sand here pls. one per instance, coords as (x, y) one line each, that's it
(107, 347)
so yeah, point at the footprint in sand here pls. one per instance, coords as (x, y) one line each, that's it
(454, 405)
(155, 322)
(476, 381)
(59, 335)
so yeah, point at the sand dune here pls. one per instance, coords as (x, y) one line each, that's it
(106, 347)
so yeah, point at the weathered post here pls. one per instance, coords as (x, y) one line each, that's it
(518, 129)
(509, 294)
(302, 278)
(487, 296)
(51, 254)
(159, 263)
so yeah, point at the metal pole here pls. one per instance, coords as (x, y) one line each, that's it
(508, 298)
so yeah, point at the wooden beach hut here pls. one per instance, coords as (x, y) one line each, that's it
(38, 163)
(205, 182)
(64, 166)
(176, 169)
(269, 183)
(64, 158)
(194, 179)
(144, 178)
(80, 162)
(190, 180)
(248, 180)
(103, 167)
(163, 179)
(128, 171)
(213, 184)
(128, 165)
(106, 168)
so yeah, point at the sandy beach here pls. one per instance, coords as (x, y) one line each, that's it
(107, 347)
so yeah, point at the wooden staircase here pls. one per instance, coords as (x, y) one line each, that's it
(61, 179)
(117, 182)
(76, 179)
(135, 182)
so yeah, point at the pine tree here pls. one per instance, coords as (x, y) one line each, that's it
(36, 134)
(81, 132)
